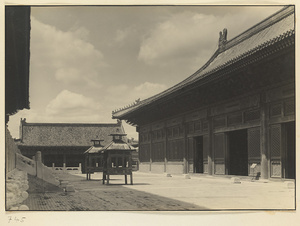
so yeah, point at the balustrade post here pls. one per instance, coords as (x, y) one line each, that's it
(39, 164)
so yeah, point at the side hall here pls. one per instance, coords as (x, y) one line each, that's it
(63, 144)
(234, 116)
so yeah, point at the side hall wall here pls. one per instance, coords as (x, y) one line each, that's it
(168, 146)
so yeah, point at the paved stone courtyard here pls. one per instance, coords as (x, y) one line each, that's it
(152, 192)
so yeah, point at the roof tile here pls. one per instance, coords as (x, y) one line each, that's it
(61, 134)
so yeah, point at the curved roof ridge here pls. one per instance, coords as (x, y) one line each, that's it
(272, 19)
(172, 87)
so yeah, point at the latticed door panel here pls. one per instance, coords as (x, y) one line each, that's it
(254, 143)
(191, 148)
(175, 150)
(191, 154)
(157, 152)
(219, 153)
(254, 154)
(275, 150)
(144, 152)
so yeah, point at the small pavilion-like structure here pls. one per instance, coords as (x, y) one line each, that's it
(117, 158)
(93, 160)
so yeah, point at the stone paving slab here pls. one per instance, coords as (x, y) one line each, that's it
(158, 192)
(93, 195)
(219, 193)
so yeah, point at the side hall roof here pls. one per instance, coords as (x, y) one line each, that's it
(272, 30)
(66, 134)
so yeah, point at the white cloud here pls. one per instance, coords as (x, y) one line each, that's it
(14, 121)
(81, 32)
(121, 35)
(71, 75)
(148, 89)
(69, 104)
(117, 89)
(186, 36)
(173, 38)
(64, 55)
(121, 95)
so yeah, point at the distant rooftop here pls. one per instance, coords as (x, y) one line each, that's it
(66, 134)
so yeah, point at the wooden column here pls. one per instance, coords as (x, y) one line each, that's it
(38, 156)
(131, 179)
(165, 149)
(210, 148)
(185, 157)
(264, 140)
(150, 133)
(64, 160)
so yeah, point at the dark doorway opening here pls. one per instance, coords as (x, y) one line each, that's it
(290, 151)
(73, 160)
(238, 153)
(198, 160)
(49, 159)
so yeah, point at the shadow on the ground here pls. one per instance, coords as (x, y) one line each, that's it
(120, 184)
(92, 195)
(113, 182)
(128, 184)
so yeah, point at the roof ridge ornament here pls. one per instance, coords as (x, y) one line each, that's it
(119, 122)
(136, 102)
(223, 39)
(23, 121)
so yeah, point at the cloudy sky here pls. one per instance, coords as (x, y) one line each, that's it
(88, 61)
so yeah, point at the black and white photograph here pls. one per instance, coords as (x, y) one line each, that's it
(149, 109)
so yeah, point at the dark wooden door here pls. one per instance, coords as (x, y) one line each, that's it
(198, 150)
(238, 153)
(290, 151)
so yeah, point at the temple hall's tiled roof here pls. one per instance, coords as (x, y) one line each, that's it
(66, 134)
(277, 27)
